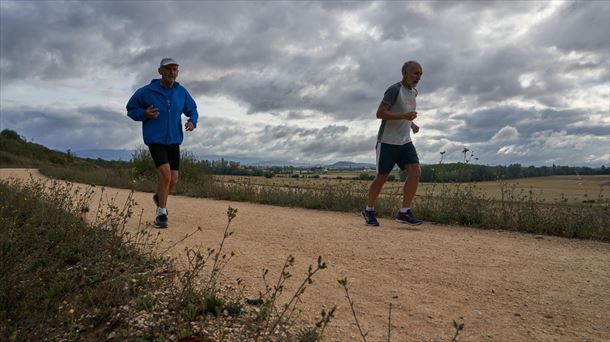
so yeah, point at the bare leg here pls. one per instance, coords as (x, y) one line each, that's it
(174, 181)
(411, 184)
(163, 186)
(375, 188)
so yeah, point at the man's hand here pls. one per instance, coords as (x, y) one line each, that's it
(414, 127)
(410, 116)
(151, 112)
(189, 126)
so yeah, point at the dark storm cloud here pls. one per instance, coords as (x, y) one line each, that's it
(45, 40)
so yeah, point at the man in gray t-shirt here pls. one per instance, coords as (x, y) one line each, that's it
(394, 146)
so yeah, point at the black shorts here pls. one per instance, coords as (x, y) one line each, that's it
(389, 155)
(163, 154)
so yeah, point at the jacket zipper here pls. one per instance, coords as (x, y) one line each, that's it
(169, 110)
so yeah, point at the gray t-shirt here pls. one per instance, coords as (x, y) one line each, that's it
(397, 132)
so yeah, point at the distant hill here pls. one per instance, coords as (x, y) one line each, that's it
(281, 163)
(346, 165)
(15, 151)
(126, 155)
(105, 154)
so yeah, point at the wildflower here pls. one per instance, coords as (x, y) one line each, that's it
(231, 213)
(71, 311)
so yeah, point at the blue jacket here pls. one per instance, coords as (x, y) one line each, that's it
(166, 129)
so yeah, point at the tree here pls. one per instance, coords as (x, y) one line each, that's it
(8, 134)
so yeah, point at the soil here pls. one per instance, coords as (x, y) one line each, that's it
(504, 286)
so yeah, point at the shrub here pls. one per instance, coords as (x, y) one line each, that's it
(364, 176)
(8, 134)
(143, 164)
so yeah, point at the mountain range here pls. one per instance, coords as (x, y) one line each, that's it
(126, 155)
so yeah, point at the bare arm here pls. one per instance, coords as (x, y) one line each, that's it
(383, 112)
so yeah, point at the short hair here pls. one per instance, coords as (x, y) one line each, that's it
(408, 65)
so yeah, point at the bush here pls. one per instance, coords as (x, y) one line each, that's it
(364, 176)
(143, 164)
(8, 134)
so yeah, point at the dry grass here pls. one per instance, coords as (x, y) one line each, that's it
(89, 279)
(574, 189)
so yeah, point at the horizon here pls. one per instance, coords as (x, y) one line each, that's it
(520, 83)
(91, 154)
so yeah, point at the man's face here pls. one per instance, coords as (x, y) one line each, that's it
(412, 75)
(169, 73)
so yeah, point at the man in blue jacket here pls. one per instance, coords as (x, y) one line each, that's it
(160, 105)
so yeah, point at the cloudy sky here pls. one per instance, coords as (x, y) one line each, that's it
(516, 82)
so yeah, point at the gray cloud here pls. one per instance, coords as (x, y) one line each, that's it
(506, 133)
(580, 26)
(481, 126)
(484, 62)
(75, 128)
(284, 141)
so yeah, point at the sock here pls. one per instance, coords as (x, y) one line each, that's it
(161, 211)
(369, 208)
(404, 210)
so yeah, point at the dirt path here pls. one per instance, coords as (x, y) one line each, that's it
(503, 286)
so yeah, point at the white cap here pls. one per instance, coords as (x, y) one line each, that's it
(167, 61)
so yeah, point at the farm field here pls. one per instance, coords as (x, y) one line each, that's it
(572, 189)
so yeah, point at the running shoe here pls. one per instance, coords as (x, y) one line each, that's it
(408, 218)
(370, 217)
(161, 221)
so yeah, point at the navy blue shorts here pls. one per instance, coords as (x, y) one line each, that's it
(163, 154)
(389, 155)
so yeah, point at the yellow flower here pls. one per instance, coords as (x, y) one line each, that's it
(71, 311)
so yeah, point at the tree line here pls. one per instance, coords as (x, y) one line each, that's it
(465, 172)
